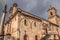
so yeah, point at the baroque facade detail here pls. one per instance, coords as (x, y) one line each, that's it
(26, 26)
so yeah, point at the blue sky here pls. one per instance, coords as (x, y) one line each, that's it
(36, 7)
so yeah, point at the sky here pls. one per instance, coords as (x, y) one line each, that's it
(36, 7)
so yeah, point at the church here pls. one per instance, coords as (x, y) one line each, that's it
(23, 25)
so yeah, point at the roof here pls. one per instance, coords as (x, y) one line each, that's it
(51, 7)
(29, 15)
(34, 16)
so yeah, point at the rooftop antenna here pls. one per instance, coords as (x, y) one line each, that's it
(3, 21)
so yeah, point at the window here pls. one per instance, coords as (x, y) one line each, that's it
(18, 39)
(44, 27)
(25, 22)
(8, 28)
(36, 38)
(51, 13)
(35, 24)
(25, 37)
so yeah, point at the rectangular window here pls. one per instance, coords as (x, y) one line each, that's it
(25, 37)
(36, 38)
(25, 22)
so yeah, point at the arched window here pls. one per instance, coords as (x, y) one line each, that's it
(25, 37)
(54, 37)
(25, 22)
(51, 13)
(44, 27)
(59, 37)
(36, 38)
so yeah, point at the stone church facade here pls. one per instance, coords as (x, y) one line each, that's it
(26, 26)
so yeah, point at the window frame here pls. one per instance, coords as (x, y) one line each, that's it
(25, 37)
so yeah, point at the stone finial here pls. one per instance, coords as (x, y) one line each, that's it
(5, 8)
(15, 5)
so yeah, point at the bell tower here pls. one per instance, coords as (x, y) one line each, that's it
(52, 15)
